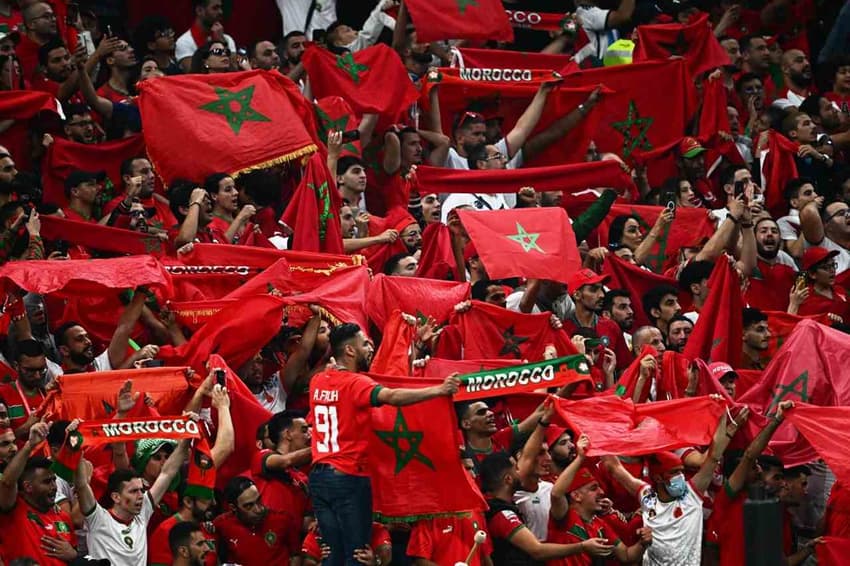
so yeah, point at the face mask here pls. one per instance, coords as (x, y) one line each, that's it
(676, 486)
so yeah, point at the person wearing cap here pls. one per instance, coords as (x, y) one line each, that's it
(672, 506)
(725, 375)
(690, 161)
(822, 295)
(81, 189)
(577, 501)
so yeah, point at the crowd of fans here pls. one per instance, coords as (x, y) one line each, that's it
(305, 496)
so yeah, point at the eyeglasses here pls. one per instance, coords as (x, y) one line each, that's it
(164, 33)
(845, 212)
(218, 52)
(832, 266)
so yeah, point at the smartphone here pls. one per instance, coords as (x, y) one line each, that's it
(350, 136)
(153, 363)
(87, 41)
(319, 35)
(671, 206)
(739, 188)
(800, 283)
(221, 377)
(61, 246)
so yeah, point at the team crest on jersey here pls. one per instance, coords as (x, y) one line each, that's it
(62, 527)
(270, 538)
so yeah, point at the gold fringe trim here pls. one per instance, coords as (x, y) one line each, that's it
(325, 313)
(307, 150)
(327, 272)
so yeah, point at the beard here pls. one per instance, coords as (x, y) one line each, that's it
(83, 358)
(421, 58)
(801, 79)
(768, 254)
(362, 362)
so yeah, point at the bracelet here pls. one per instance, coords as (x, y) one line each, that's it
(543, 424)
(191, 204)
(747, 225)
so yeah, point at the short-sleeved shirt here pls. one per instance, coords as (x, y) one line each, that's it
(123, 544)
(594, 22)
(726, 526)
(159, 552)
(816, 303)
(572, 529)
(676, 528)
(445, 540)
(454, 160)
(22, 527)
(380, 537)
(19, 405)
(271, 543)
(499, 442)
(340, 402)
(503, 522)
(280, 490)
(535, 508)
(770, 284)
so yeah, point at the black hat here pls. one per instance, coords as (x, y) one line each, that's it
(77, 177)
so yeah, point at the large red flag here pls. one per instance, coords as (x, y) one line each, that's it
(825, 428)
(627, 384)
(396, 219)
(470, 58)
(393, 355)
(637, 281)
(22, 106)
(490, 332)
(779, 167)
(717, 335)
(537, 243)
(102, 238)
(313, 212)
(694, 41)
(333, 113)
(437, 260)
(833, 551)
(372, 80)
(439, 367)
(781, 326)
(460, 19)
(247, 120)
(426, 298)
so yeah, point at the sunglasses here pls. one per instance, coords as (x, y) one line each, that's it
(496, 155)
(469, 117)
(218, 52)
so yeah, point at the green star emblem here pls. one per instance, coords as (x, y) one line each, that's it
(462, 5)
(512, 342)
(325, 213)
(327, 124)
(349, 65)
(404, 442)
(634, 140)
(528, 240)
(226, 103)
(799, 387)
(679, 47)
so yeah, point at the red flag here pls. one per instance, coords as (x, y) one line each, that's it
(694, 41)
(469, 58)
(247, 120)
(396, 219)
(194, 314)
(98, 313)
(406, 293)
(372, 80)
(103, 238)
(779, 167)
(537, 243)
(202, 475)
(637, 281)
(393, 355)
(627, 383)
(781, 326)
(313, 212)
(833, 551)
(333, 113)
(672, 380)
(438, 367)
(490, 332)
(64, 156)
(460, 19)
(437, 260)
(22, 106)
(825, 428)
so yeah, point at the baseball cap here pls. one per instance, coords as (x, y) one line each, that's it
(662, 462)
(721, 370)
(77, 177)
(816, 255)
(689, 147)
(584, 277)
(583, 477)
(553, 433)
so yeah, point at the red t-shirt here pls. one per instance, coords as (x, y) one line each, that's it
(19, 407)
(22, 527)
(500, 442)
(446, 540)
(272, 543)
(837, 516)
(818, 304)
(380, 537)
(43, 84)
(572, 529)
(280, 490)
(158, 214)
(27, 52)
(340, 403)
(770, 285)
(726, 526)
(159, 553)
(106, 91)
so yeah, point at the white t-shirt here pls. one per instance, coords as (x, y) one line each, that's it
(186, 46)
(593, 20)
(100, 363)
(676, 528)
(273, 396)
(843, 257)
(454, 160)
(294, 14)
(123, 545)
(789, 226)
(535, 508)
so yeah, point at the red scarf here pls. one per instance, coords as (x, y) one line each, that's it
(199, 34)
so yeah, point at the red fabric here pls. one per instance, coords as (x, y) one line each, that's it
(502, 59)
(103, 238)
(816, 303)
(672, 380)
(718, 332)
(637, 281)
(833, 552)
(24, 104)
(195, 314)
(334, 113)
(313, 212)
(445, 540)
(437, 260)
(183, 127)
(490, 332)
(825, 428)
(396, 219)
(281, 490)
(157, 213)
(270, 543)
(769, 286)
(694, 41)
(406, 293)
(538, 21)
(160, 553)
(837, 516)
(449, 19)
(727, 524)
(779, 168)
(22, 529)
(537, 243)
(64, 156)
(201, 478)
(438, 367)
(627, 383)
(781, 326)
(572, 529)
(372, 80)
(393, 355)
(98, 313)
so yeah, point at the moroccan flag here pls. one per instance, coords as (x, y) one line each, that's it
(313, 212)
(396, 219)
(407, 293)
(82, 277)
(470, 58)
(415, 462)
(537, 243)
(778, 167)
(633, 119)
(22, 106)
(718, 332)
(439, 367)
(93, 395)
(568, 178)
(618, 426)
(489, 332)
(781, 326)
(538, 21)
(672, 380)
(437, 260)
(372, 80)
(476, 20)
(694, 41)
(98, 313)
(523, 378)
(247, 120)
(833, 552)
(393, 355)
(201, 479)
(68, 457)
(64, 156)
(808, 368)
(627, 383)
(333, 113)
(194, 314)
(637, 281)
(825, 428)
(102, 238)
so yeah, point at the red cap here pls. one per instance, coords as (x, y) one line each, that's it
(662, 462)
(584, 277)
(552, 434)
(689, 147)
(583, 477)
(720, 369)
(815, 255)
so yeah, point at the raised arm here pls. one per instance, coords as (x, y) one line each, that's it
(296, 365)
(560, 502)
(722, 436)
(225, 436)
(621, 474)
(121, 337)
(13, 471)
(517, 137)
(739, 477)
(811, 223)
(642, 251)
(168, 471)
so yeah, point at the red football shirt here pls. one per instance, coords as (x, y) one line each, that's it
(109, 93)
(770, 285)
(818, 304)
(340, 403)
(380, 537)
(616, 342)
(572, 529)
(501, 442)
(837, 516)
(20, 407)
(726, 526)
(271, 543)
(159, 553)
(446, 540)
(22, 527)
(280, 490)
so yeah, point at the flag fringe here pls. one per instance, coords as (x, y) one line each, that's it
(387, 519)
(307, 150)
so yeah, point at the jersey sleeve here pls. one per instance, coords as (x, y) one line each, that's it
(94, 520)
(421, 544)
(364, 391)
(380, 537)
(505, 524)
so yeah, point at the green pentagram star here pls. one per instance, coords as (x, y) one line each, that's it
(633, 120)
(678, 47)
(349, 65)
(512, 342)
(462, 5)
(328, 124)
(235, 119)
(404, 455)
(325, 214)
(527, 240)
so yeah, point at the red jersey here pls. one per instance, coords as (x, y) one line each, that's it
(843, 102)
(837, 516)
(51, 87)
(280, 490)
(20, 406)
(818, 304)
(500, 442)
(340, 403)
(27, 52)
(157, 213)
(770, 285)
(114, 96)
(380, 537)
(159, 553)
(726, 526)
(446, 540)
(616, 342)
(22, 527)
(14, 21)
(572, 529)
(272, 543)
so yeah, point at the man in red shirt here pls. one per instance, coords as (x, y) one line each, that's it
(139, 180)
(446, 540)
(482, 437)
(340, 401)
(193, 510)
(282, 485)
(380, 547)
(121, 63)
(41, 26)
(249, 533)
(775, 270)
(58, 75)
(31, 524)
(81, 188)
(188, 544)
